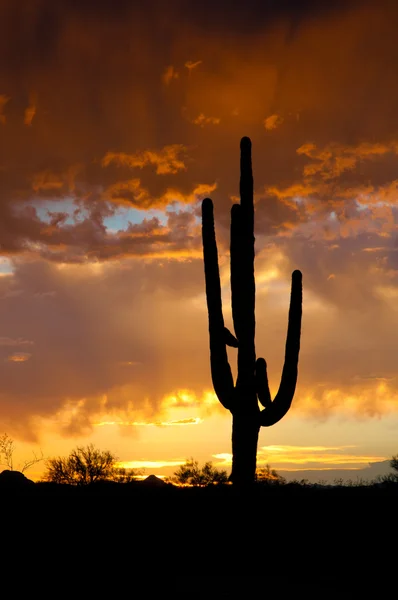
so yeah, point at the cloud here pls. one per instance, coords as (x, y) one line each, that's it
(202, 120)
(334, 159)
(307, 457)
(273, 122)
(177, 422)
(166, 161)
(96, 282)
(82, 360)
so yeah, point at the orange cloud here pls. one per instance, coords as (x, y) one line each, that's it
(202, 120)
(167, 160)
(334, 159)
(48, 181)
(273, 122)
(131, 193)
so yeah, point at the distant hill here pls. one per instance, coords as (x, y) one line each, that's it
(368, 473)
(154, 481)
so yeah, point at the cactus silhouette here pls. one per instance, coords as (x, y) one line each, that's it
(242, 398)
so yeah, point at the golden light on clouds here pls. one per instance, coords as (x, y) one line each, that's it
(371, 398)
(307, 458)
(150, 464)
(186, 398)
(19, 357)
(178, 422)
(167, 161)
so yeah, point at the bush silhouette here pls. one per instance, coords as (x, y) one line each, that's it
(191, 474)
(86, 465)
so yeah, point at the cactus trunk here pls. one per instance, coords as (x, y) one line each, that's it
(245, 430)
(251, 387)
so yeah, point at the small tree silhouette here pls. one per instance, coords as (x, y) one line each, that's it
(86, 465)
(268, 475)
(242, 398)
(7, 449)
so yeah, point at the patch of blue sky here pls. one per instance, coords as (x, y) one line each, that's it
(6, 267)
(116, 222)
(123, 216)
(44, 206)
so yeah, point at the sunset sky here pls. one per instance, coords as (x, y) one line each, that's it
(116, 120)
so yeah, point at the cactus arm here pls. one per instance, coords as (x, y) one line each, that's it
(220, 369)
(262, 387)
(283, 399)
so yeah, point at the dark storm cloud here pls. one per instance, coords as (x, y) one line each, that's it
(142, 106)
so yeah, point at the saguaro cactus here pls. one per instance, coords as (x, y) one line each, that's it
(251, 387)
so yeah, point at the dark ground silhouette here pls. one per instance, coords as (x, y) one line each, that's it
(309, 540)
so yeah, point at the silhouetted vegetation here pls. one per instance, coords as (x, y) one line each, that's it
(269, 476)
(191, 474)
(7, 449)
(86, 465)
(394, 465)
(251, 387)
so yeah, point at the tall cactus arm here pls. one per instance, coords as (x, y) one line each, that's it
(220, 369)
(283, 399)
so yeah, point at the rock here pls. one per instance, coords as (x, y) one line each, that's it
(14, 479)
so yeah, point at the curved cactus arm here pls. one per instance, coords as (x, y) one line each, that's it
(283, 399)
(220, 369)
(262, 387)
